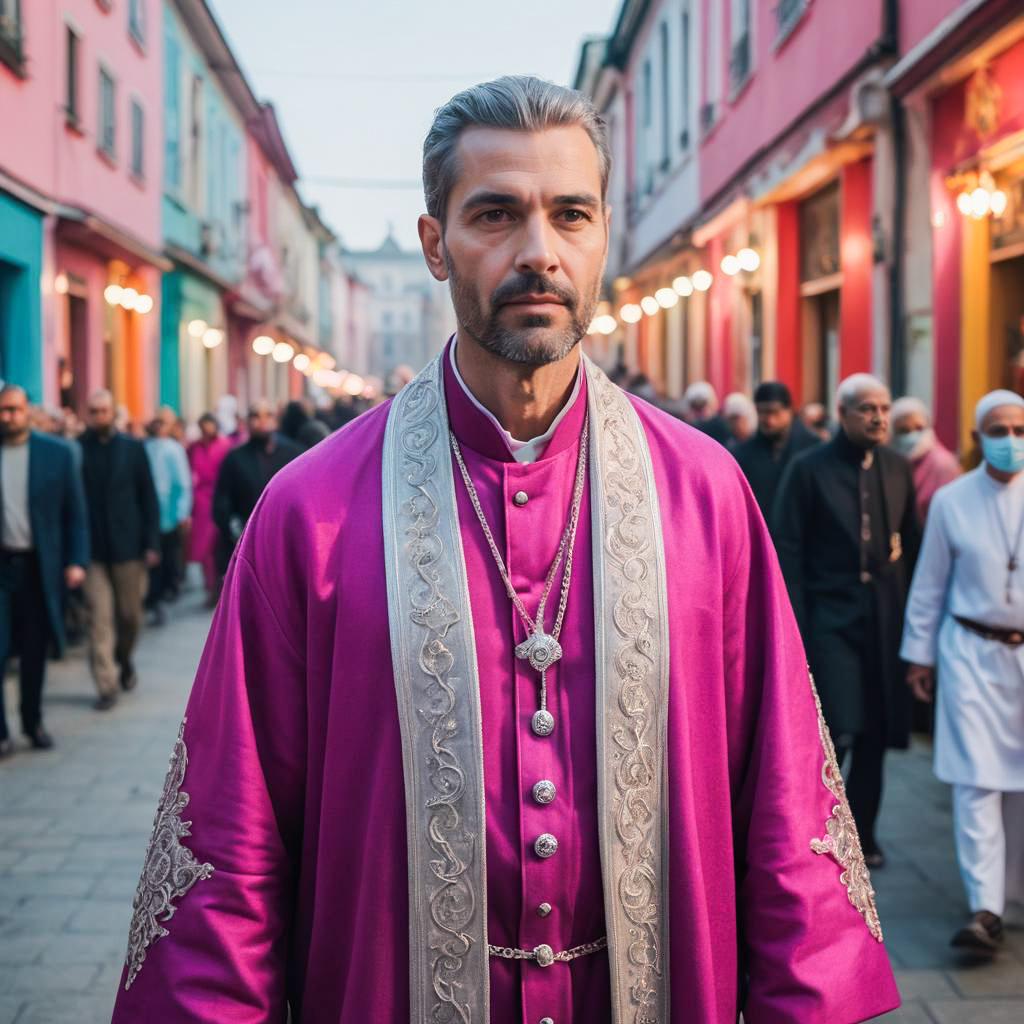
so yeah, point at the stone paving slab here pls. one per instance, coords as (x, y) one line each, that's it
(75, 821)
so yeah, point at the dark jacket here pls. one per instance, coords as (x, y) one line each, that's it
(244, 473)
(763, 464)
(716, 426)
(849, 593)
(124, 516)
(60, 529)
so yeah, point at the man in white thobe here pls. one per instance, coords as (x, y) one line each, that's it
(965, 618)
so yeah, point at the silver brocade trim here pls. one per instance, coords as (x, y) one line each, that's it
(170, 869)
(434, 657)
(841, 841)
(631, 633)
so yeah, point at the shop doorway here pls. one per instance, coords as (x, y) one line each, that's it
(1007, 323)
(820, 334)
(72, 359)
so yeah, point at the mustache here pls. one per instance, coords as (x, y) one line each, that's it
(533, 284)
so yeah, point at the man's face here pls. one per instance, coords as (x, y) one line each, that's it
(14, 414)
(1002, 421)
(909, 423)
(773, 419)
(208, 428)
(866, 419)
(524, 241)
(100, 415)
(262, 422)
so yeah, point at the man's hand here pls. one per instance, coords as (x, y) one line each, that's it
(921, 680)
(152, 558)
(74, 576)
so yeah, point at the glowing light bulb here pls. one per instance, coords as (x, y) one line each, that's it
(263, 345)
(282, 352)
(979, 203)
(212, 337)
(301, 362)
(666, 297)
(197, 328)
(128, 297)
(649, 304)
(144, 304)
(631, 313)
(749, 259)
(702, 280)
(112, 293)
(683, 286)
(730, 265)
(998, 203)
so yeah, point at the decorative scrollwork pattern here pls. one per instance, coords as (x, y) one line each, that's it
(634, 706)
(841, 841)
(170, 869)
(436, 698)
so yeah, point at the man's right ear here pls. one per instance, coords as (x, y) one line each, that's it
(432, 239)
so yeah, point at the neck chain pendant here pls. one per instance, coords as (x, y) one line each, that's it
(543, 722)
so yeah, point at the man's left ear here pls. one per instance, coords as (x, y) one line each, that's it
(432, 240)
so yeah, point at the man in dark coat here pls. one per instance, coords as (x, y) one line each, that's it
(44, 547)
(246, 471)
(124, 521)
(780, 436)
(846, 529)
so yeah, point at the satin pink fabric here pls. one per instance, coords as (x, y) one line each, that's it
(205, 458)
(295, 780)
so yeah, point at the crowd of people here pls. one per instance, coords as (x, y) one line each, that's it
(906, 578)
(101, 517)
(900, 571)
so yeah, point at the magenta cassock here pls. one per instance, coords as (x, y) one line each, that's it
(294, 763)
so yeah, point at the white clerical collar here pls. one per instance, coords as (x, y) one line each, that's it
(522, 451)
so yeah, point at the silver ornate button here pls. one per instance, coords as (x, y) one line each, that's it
(543, 723)
(544, 791)
(545, 955)
(544, 909)
(520, 498)
(546, 845)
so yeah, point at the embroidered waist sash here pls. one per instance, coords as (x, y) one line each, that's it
(434, 658)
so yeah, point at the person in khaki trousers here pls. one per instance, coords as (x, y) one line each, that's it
(124, 521)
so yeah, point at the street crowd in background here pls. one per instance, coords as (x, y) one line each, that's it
(906, 576)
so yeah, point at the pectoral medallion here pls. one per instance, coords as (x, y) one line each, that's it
(540, 649)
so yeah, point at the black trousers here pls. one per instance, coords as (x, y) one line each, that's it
(864, 784)
(163, 578)
(25, 630)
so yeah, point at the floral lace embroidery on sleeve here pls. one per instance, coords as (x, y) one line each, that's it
(841, 841)
(170, 869)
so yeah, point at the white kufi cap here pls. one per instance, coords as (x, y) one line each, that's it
(993, 400)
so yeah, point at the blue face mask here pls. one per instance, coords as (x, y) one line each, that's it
(1003, 453)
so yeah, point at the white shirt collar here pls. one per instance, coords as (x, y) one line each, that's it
(522, 451)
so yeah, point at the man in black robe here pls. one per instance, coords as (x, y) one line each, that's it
(846, 528)
(245, 472)
(779, 437)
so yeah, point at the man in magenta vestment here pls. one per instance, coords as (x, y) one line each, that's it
(504, 715)
(205, 456)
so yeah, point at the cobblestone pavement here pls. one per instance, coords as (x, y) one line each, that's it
(74, 823)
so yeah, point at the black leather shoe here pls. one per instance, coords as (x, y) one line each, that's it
(6, 749)
(982, 934)
(41, 739)
(104, 703)
(129, 680)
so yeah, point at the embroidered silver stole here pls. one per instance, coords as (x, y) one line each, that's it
(434, 656)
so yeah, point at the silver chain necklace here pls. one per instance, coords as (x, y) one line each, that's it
(540, 649)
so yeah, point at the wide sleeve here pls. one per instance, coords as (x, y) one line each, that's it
(810, 937)
(927, 600)
(211, 916)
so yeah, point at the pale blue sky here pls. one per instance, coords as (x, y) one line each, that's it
(355, 83)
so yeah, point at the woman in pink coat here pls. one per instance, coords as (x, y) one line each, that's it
(205, 457)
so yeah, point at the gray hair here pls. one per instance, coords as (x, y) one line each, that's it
(516, 102)
(909, 405)
(852, 387)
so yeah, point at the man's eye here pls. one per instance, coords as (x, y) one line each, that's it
(575, 216)
(494, 216)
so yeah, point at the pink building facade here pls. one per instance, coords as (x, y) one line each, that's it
(81, 150)
(824, 147)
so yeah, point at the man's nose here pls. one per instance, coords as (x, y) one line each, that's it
(537, 248)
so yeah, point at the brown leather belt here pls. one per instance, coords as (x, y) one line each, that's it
(1010, 637)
